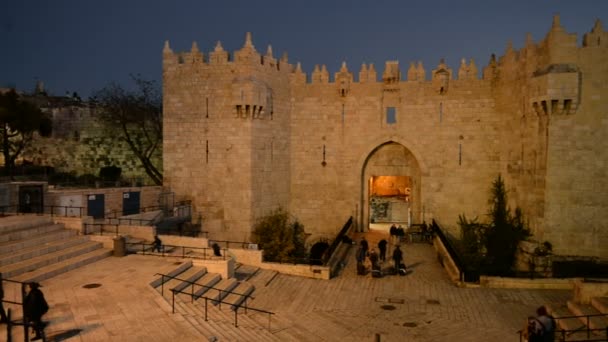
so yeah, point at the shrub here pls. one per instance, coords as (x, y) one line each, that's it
(280, 236)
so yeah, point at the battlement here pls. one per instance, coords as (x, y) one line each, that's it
(247, 55)
(557, 48)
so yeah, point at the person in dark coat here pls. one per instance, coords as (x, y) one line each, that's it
(34, 306)
(364, 245)
(216, 249)
(373, 258)
(3, 318)
(157, 244)
(397, 257)
(360, 260)
(382, 248)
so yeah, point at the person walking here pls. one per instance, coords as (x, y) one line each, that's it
(157, 244)
(34, 307)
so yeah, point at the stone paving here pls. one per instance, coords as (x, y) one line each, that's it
(119, 305)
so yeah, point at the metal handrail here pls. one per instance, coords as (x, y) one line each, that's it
(436, 229)
(330, 250)
(563, 334)
(10, 323)
(183, 248)
(42, 210)
(219, 301)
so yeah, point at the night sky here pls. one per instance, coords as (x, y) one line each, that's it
(83, 45)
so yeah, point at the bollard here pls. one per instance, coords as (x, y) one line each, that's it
(120, 246)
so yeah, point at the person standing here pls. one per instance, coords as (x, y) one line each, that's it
(360, 260)
(397, 258)
(3, 318)
(545, 326)
(382, 249)
(34, 306)
(373, 258)
(364, 245)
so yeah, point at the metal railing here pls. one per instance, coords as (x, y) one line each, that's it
(89, 228)
(10, 323)
(592, 334)
(177, 251)
(332, 248)
(53, 210)
(194, 297)
(235, 244)
(452, 251)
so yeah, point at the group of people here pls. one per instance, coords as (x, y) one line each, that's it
(375, 258)
(34, 307)
(397, 233)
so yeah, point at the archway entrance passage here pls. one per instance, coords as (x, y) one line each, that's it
(316, 253)
(390, 187)
(389, 201)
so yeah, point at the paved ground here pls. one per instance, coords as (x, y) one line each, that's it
(421, 306)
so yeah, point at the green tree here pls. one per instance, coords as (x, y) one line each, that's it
(490, 248)
(504, 233)
(137, 114)
(19, 120)
(281, 237)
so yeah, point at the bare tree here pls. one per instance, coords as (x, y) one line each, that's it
(138, 116)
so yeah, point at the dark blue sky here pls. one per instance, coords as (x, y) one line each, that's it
(82, 45)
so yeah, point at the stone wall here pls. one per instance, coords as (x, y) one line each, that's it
(246, 134)
(80, 144)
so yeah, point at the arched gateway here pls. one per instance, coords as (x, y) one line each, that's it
(390, 187)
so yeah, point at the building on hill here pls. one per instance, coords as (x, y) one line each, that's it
(246, 133)
(80, 143)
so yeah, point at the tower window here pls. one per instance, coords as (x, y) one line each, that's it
(391, 115)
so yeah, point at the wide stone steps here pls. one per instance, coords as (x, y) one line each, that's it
(13, 270)
(33, 248)
(221, 323)
(600, 303)
(594, 322)
(190, 274)
(79, 259)
(221, 298)
(35, 241)
(575, 329)
(42, 249)
(22, 233)
(239, 295)
(220, 290)
(203, 285)
(18, 222)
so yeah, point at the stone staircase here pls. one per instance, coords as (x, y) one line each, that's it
(217, 304)
(33, 248)
(577, 327)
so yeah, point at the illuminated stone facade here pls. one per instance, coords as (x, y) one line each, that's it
(246, 133)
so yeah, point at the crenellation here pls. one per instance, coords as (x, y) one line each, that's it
(597, 37)
(219, 55)
(441, 78)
